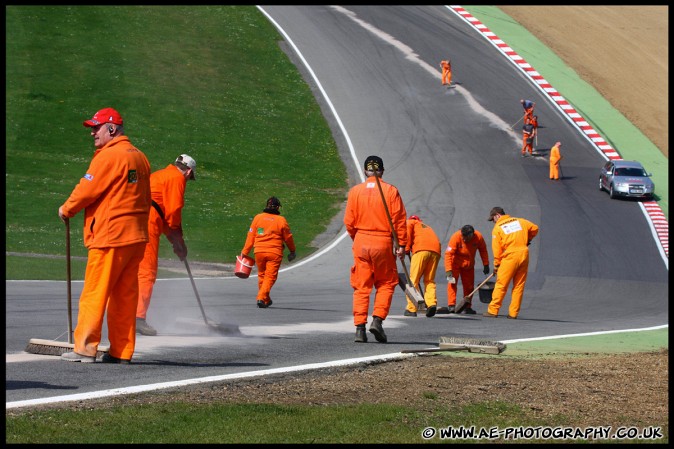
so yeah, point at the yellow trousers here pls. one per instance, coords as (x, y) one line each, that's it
(554, 170)
(110, 285)
(513, 268)
(424, 264)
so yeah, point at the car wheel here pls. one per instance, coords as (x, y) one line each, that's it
(611, 193)
(601, 186)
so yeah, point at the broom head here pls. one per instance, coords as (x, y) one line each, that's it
(472, 345)
(52, 347)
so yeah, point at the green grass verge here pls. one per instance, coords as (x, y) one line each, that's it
(184, 423)
(189, 423)
(210, 81)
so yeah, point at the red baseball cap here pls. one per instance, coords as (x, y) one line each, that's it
(107, 115)
(414, 217)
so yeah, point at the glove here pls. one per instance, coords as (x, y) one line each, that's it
(485, 270)
(495, 269)
(291, 256)
(450, 277)
(179, 247)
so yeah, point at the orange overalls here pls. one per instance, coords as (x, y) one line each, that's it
(555, 157)
(374, 260)
(168, 192)
(267, 234)
(527, 138)
(460, 259)
(115, 196)
(509, 242)
(425, 247)
(446, 72)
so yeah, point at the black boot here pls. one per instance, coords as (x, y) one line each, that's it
(377, 329)
(361, 336)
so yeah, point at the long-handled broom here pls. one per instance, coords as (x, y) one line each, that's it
(217, 327)
(409, 288)
(463, 344)
(464, 301)
(54, 347)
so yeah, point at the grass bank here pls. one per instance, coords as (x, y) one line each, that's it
(209, 81)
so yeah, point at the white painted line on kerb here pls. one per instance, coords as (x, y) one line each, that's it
(249, 374)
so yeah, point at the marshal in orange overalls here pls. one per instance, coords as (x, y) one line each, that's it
(425, 247)
(555, 157)
(460, 260)
(115, 196)
(527, 139)
(374, 262)
(510, 243)
(267, 234)
(446, 72)
(168, 193)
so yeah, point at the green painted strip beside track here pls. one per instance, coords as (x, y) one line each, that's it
(637, 341)
(619, 132)
(565, 346)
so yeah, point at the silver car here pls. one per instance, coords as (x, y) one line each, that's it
(627, 179)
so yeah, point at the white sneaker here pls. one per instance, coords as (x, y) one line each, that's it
(75, 357)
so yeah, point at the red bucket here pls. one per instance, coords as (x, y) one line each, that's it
(244, 265)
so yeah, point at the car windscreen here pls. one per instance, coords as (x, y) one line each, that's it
(629, 172)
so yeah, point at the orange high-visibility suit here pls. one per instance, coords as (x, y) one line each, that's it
(527, 138)
(374, 260)
(267, 234)
(168, 192)
(509, 242)
(446, 72)
(115, 196)
(555, 157)
(460, 259)
(425, 247)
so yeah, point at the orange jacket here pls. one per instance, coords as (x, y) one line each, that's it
(446, 65)
(267, 233)
(168, 191)
(555, 157)
(365, 211)
(461, 255)
(115, 196)
(421, 237)
(511, 235)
